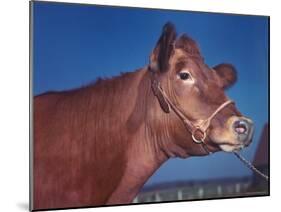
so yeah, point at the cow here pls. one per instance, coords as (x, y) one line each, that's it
(98, 144)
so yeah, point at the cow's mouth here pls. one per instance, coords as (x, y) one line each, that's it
(232, 147)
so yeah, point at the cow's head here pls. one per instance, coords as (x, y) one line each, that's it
(197, 90)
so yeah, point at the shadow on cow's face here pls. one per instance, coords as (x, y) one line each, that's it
(198, 91)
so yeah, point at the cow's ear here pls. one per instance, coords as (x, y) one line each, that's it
(159, 59)
(227, 75)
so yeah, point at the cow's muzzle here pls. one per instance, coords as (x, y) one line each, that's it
(243, 128)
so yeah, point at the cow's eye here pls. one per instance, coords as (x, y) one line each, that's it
(184, 75)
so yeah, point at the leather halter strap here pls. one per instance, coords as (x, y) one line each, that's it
(198, 132)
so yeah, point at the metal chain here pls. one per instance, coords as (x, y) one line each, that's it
(251, 166)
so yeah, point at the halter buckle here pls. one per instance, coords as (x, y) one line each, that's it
(196, 138)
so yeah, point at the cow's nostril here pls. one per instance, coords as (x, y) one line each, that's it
(241, 127)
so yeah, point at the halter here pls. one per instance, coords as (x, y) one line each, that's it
(198, 132)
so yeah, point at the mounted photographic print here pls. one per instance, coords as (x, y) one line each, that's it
(136, 105)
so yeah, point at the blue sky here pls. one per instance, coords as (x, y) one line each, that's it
(74, 44)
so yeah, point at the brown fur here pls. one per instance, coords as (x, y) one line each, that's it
(99, 144)
(189, 46)
(79, 129)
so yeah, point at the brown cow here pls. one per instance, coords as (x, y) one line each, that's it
(99, 144)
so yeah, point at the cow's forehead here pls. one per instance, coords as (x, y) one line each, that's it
(181, 58)
(188, 46)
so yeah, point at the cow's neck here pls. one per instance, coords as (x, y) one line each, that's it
(150, 146)
(143, 161)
